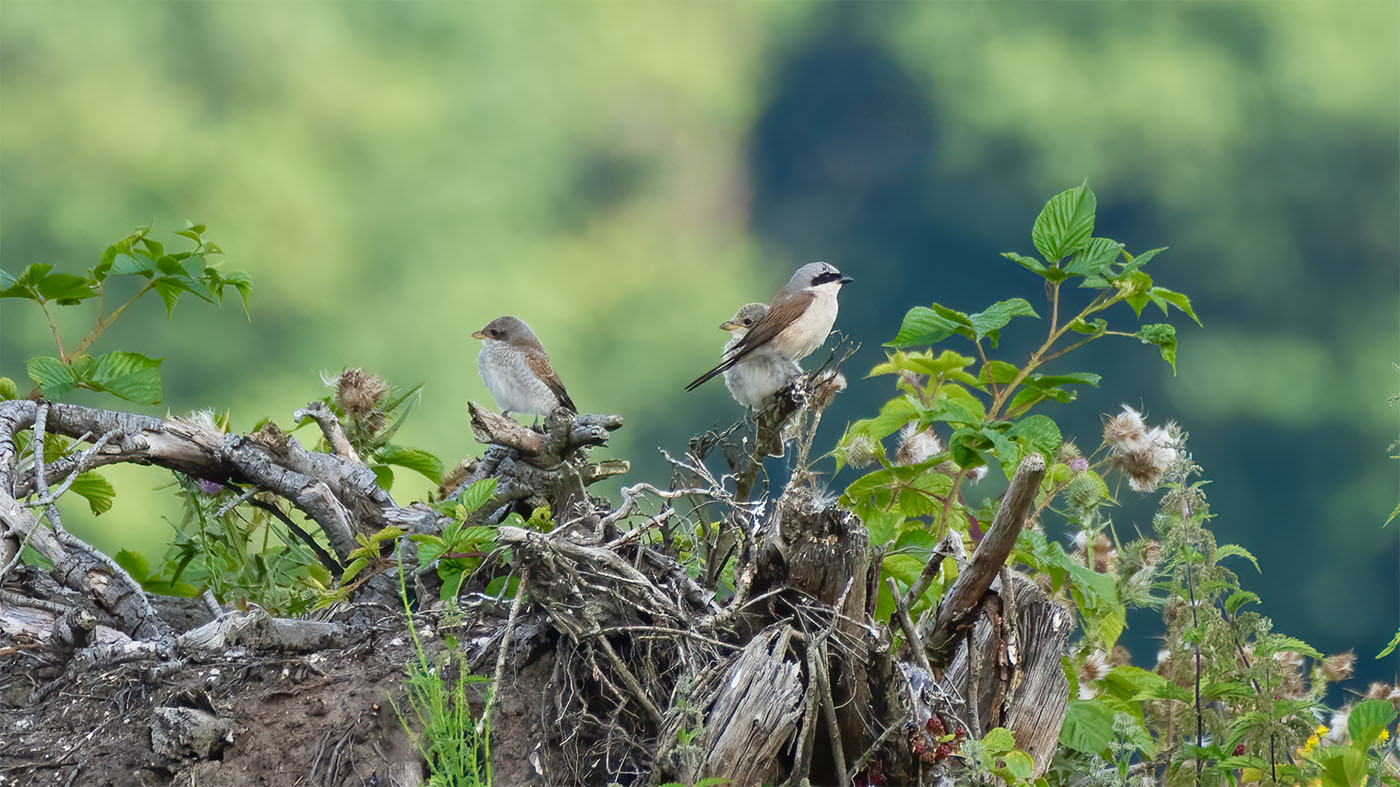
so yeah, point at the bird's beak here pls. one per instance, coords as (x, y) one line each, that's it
(729, 325)
(478, 335)
(845, 280)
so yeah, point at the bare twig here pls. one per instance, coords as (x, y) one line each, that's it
(319, 412)
(493, 697)
(911, 635)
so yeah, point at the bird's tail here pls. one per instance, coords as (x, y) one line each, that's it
(702, 379)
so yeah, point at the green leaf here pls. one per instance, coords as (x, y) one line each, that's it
(1029, 263)
(922, 326)
(131, 376)
(169, 289)
(1163, 296)
(414, 459)
(1095, 260)
(8, 389)
(998, 740)
(1394, 642)
(126, 264)
(1368, 719)
(1039, 433)
(383, 475)
(53, 377)
(356, 566)
(1238, 599)
(1164, 336)
(1017, 765)
(66, 288)
(1065, 224)
(1233, 550)
(26, 285)
(134, 563)
(999, 372)
(989, 322)
(477, 495)
(98, 491)
(1088, 727)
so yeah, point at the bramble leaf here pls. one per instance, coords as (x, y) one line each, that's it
(989, 322)
(53, 377)
(98, 491)
(1163, 335)
(1065, 224)
(131, 376)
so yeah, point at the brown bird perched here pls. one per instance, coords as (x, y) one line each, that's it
(797, 323)
(516, 369)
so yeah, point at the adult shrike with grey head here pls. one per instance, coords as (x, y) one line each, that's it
(797, 323)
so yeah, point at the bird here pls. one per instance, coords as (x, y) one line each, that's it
(797, 322)
(761, 373)
(516, 369)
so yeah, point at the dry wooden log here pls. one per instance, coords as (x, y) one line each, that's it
(1027, 697)
(962, 599)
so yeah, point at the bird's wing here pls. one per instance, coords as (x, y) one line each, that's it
(539, 364)
(781, 314)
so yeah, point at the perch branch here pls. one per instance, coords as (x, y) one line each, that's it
(319, 412)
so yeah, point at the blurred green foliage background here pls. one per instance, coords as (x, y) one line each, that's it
(624, 175)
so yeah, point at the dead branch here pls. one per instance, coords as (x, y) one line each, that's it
(966, 593)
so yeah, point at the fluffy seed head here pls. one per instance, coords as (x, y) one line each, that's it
(1144, 455)
(1338, 667)
(826, 388)
(861, 451)
(917, 445)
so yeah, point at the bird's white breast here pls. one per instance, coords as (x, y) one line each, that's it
(808, 332)
(511, 382)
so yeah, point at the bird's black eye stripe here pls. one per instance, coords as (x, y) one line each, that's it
(826, 278)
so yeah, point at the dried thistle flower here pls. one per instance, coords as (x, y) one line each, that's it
(358, 392)
(1125, 432)
(826, 388)
(976, 474)
(1338, 667)
(917, 445)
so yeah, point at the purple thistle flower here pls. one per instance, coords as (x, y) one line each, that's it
(208, 487)
(1079, 464)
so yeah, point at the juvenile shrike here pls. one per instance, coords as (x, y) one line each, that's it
(762, 372)
(516, 370)
(797, 323)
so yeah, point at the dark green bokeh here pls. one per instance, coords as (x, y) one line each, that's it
(623, 175)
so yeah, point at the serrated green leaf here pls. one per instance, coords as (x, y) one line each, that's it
(1029, 263)
(989, 322)
(134, 563)
(1238, 599)
(415, 459)
(96, 490)
(8, 389)
(922, 326)
(131, 376)
(1163, 296)
(1040, 433)
(1233, 550)
(1088, 727)
(126, 264)
(999, 372)
(66, 288)
(1367, 719)
(998, 740)
(1065, 224)
(53, 377)
(26, 285)
(1164, 336)
(477, 495)
(1095, 259)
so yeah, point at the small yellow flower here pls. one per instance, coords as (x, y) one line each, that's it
(1321, 730)
(1311, 743)
(1385, 735)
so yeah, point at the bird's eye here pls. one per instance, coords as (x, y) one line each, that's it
(748, 321)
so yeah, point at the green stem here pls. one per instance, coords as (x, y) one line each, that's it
(1100, 302)
(61, 355)
(103, 323)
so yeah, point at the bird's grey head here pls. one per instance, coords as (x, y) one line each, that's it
(744, 319)
(817, 274)
(511, 330)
